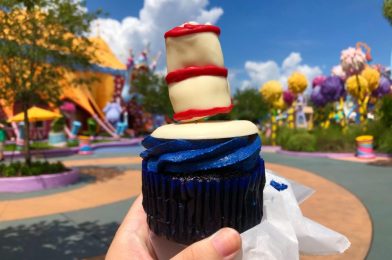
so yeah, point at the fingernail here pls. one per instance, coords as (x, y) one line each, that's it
(226, 242)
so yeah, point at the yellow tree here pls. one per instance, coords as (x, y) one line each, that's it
(297, 83)
(272, 92)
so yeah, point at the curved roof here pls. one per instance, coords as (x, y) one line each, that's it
(105, 56)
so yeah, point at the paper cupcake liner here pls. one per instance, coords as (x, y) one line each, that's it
(186, 210)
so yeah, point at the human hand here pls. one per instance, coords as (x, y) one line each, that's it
(132, 241)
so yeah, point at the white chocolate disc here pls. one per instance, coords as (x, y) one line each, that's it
(206, 130)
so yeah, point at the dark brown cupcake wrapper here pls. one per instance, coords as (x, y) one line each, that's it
(186, 211)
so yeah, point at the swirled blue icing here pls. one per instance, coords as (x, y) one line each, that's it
(187, 156)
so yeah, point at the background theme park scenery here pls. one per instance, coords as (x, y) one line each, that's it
(95, 97)
(60, 88)
(351, 106)
(108, 102)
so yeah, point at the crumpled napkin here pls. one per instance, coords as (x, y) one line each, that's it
(284, 231)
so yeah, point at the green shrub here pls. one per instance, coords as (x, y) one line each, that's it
(40, 146)
(384, 142)
(7, 171)
(33, 146)
(36, 168)
(92, 127)
(10, 147)
(85, 133)
(58, 125)
(264, 139)
(385, 111)
(300, 140)
(283, 135)
(333, 139)
(72, 143)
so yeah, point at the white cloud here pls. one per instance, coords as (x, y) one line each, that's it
(211, 15)
(293, 60)
(261, 72)
(155, 18)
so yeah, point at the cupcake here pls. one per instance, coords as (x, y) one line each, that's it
(198, 177)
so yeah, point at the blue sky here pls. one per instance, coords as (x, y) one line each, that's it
(261, 31)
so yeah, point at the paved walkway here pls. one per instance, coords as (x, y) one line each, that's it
(80, 222)
(127, 185)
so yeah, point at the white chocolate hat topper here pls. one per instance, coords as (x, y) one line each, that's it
(197, 78)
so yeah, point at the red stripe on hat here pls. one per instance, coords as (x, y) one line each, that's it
(192, 28)
(191, 113)
(189, 72)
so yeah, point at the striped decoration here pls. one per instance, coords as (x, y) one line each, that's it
(365, 147)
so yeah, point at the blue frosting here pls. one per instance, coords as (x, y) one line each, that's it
(189, 156)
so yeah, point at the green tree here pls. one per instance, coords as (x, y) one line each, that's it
(249, 105)
(388, 10)
(385, 111)
(41, 41)
(154, 91)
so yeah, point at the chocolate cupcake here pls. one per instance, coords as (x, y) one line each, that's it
(195, 185)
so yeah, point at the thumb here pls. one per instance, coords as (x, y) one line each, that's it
(224, 244)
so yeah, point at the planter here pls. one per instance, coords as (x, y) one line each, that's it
(57, 139)
(85, 145)
(75, 150)
(365, 147)
(36, 183)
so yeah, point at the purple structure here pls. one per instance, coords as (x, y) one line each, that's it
(332, 88)
(36, 183)
(317, 81)
(288, 97)
(317, 97)
(384, 87)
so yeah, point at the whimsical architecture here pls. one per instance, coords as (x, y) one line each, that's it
(91, 100)
(87, 101)
(128, 93)
(353, 88)
(109, 98)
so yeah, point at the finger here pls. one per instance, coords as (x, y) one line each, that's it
(224, 244)
(131, 240)
(136, 216)
(135, 222)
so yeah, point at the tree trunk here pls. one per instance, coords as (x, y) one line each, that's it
(273, 127)
(27, 153)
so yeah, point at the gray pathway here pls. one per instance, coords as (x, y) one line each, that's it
(70, 235)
